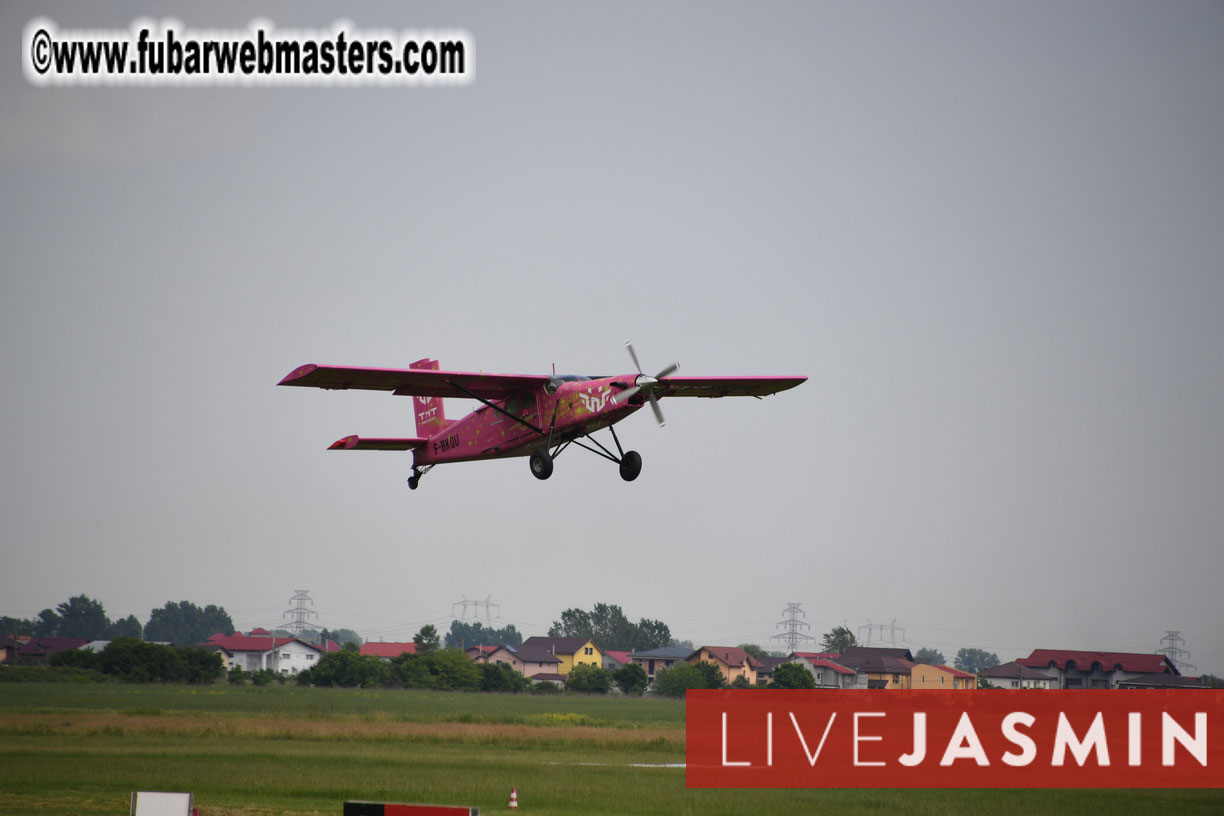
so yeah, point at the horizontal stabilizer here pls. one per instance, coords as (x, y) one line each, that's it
(371, 443)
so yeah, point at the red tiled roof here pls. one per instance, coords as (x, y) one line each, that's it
(50, 645)
(816, 655)
(246, 643)
(387, 650)
(1127, 661)
(555, 678)
(829, 664)
(619, 656)
(733, 656)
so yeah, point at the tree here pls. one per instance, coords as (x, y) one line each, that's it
(607, 625)
(588, 679)
(348, 668)
(201, 665)
(127, 627)
(791, 676)
(712, 675)
(500, 677)
(10, 627)
(931, 657)
(76, 658)
(1211, 681)
(465, 635)
(47, 624)
(341, 636)
(754, 650)
(184, 622)
(426, 640)
(80, 616)
(136, 661)
(452, 670)
(652, 634)
(975, 661)
(630, 679)
(677, 679)
(838, 639)
(447, 669)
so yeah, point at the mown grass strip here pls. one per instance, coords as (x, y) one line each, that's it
(303, 752)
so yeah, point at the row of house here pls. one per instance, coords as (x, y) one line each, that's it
(547, 659)
(858, 667)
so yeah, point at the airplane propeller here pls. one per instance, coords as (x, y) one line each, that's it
(645, 384)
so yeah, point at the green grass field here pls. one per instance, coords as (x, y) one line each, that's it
(81, 749)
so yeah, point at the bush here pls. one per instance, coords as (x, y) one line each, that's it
(52, 674)
(713, 675)
(348, 668)
(444, 669)
(677, 679)
(74, 658)
(791, 676)
(266, 677)
(136, 661)
(544, 687)
(500, 677)
(588, 679)
(237, 676)
(630, 678)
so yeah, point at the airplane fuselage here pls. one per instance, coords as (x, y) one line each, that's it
(565, 409)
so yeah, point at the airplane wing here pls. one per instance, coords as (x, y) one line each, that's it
(370, 443)
(414, 382)
(725, 386)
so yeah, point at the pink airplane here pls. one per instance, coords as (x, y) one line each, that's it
(537, 416)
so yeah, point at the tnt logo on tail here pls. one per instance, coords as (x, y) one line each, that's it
(430, 417)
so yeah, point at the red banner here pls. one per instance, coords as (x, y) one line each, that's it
(767, 738)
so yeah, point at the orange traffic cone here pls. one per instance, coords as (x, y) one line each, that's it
(514, 799)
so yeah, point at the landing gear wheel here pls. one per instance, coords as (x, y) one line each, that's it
(413, 481)
(541, 464)
(631, 466)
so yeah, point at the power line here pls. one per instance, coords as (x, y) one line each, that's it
(300, 625)
(1172, 644)
(487, 604)
(791, 625)
(890, 640)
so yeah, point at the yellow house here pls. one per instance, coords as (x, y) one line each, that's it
(733, 662)
(569, 652)
(944, 678)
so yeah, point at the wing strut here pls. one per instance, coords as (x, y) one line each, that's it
(496, 408)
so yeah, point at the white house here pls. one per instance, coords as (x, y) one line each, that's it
(253, 653)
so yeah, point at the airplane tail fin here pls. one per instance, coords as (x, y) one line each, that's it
(430, 415)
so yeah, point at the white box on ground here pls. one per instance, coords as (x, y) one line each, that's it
(153, 803)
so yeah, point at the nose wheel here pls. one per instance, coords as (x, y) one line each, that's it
(630, 466)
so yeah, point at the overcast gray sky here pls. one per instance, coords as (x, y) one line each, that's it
(990, 234)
